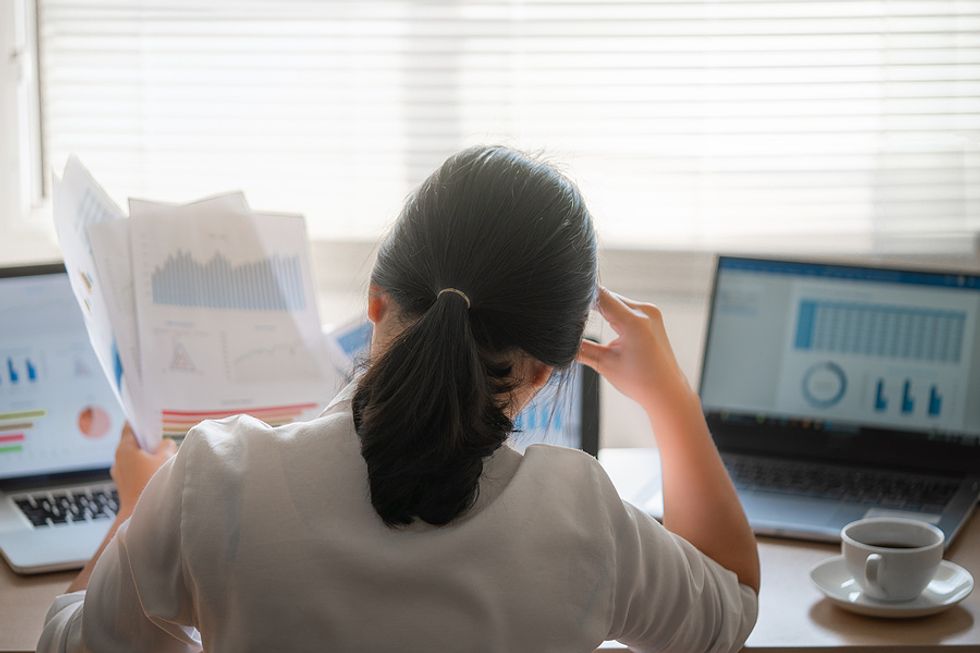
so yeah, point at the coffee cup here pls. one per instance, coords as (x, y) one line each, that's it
(892, 559)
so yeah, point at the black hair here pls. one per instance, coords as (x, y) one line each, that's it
(513, 235)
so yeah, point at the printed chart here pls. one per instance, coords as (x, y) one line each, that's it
(176, 423)
(270, 284)
(227, 320)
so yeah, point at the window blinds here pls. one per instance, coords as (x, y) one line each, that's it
(686, 123)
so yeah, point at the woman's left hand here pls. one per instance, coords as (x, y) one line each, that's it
(134, 468)
(131, 472)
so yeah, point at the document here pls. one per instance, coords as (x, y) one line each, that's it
(201, 311)
(79, 203)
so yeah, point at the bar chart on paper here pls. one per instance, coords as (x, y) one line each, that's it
(274, 283)
(176, 423)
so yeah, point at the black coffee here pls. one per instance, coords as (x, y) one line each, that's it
(893, 545)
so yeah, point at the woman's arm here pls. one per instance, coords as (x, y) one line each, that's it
(137, 598)
(131, 471)
(700, 503)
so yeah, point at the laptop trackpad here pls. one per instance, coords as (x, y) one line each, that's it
(53, 547)
(773, 508)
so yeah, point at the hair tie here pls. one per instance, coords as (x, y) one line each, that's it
(456, 291)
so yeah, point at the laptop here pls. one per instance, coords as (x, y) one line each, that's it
(838, 392)
(59, 425)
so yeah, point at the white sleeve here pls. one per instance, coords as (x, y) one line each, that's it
(667, 595)
(138, 598)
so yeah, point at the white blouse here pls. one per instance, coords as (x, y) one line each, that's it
(255, 538)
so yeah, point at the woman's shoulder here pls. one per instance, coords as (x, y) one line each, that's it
(242, 439)
(560, 461)
(568, 477)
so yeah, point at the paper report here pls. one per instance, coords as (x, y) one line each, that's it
(196, 311)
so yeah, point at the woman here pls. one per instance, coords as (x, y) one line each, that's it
(399, 519)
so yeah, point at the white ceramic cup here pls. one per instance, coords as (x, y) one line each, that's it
(892, 559)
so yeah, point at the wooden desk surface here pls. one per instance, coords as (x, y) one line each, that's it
(24, 600)
(793, 615)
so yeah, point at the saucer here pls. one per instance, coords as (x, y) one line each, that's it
(951, 585)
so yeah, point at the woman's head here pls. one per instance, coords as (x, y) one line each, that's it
(514, 236)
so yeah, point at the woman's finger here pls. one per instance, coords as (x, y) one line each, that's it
(128, 438)
(632, 303)
(616, 312)
(592, 354)
(167, 448)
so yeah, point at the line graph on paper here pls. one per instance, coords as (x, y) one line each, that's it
(273, 283)
(274, 362)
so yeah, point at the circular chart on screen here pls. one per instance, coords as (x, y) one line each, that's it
(94, 422)
(824, 384)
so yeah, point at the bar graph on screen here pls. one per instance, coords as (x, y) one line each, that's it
(14, 428)
(878, 358)
(19, 368)
(899, 332)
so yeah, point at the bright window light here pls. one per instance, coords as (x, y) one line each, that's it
(689, 124)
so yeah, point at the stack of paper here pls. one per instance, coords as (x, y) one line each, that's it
(195, 311)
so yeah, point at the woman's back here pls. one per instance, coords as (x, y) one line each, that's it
(270, 542)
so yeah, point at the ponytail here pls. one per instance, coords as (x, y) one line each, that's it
(492, 258)
(427, 416)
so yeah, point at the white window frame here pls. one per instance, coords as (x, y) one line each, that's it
(25, 225)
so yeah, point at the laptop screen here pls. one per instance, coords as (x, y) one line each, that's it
(57, 411)
(833, 346)
(554, 416)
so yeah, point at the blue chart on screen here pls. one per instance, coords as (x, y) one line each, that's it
(356, 340)
(18, 370)
(540, 417)
(824, 384)
(270, 284)
(897, 332)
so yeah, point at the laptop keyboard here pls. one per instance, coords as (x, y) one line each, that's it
(69, 506)
(887, 490)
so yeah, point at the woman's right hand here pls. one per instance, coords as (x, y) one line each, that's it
(700, 503)
(640, 362)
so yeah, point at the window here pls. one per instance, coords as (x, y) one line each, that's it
(686, 123)
(20, 143)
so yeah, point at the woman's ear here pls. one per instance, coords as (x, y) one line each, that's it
(539, 374)
(377, 303)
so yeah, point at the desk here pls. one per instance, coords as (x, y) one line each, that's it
(793, 615)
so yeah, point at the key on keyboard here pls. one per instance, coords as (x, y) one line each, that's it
(65, 507)
(885, 489)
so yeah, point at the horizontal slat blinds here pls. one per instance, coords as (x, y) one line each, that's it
(686, 123)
